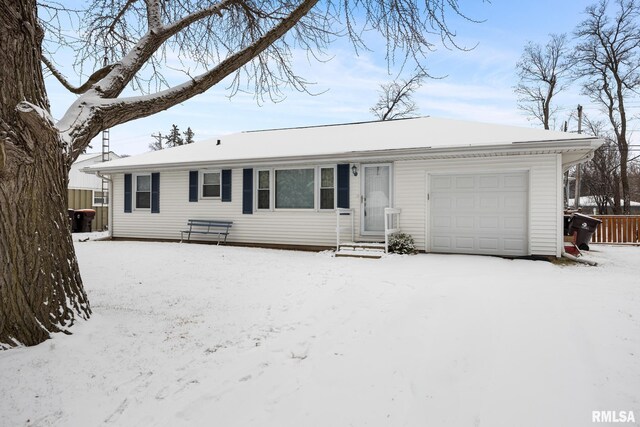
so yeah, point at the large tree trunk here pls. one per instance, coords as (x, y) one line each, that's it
(40, 286)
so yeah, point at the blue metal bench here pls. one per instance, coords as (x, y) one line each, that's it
(206, 226)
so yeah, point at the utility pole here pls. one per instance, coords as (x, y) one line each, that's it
(576, 201)
(158, 143)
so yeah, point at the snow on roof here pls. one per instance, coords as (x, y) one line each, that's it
(344, 139)
(88, 156)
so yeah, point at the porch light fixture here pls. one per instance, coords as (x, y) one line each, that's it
(354, 170)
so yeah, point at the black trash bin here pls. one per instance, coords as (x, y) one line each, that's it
(584, 226)
(83, 218)
(72, 220)
(567, 225)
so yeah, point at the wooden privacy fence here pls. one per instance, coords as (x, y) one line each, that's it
(617, 229)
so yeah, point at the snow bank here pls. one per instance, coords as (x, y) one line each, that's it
(211, 335)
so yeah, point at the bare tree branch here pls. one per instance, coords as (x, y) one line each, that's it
(608, 62)
(94, 78)
(542, 72)
(396, 99)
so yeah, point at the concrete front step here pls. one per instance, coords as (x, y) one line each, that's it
(363, 245)
(359, 254)
(373, 250)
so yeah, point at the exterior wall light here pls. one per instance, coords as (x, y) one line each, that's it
(354, 170)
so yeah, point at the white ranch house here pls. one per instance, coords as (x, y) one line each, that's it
(456, 186)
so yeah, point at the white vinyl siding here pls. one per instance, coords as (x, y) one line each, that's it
(317, 227)
(410, 184)
(284, 227)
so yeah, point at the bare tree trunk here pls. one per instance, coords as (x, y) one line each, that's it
(40, 286)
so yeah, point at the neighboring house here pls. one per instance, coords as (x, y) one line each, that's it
(589, 206)
(85, 190)
(462, 187)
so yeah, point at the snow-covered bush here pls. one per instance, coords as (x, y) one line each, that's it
(402, 243)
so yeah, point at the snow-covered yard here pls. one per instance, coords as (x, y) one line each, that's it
(225, 336)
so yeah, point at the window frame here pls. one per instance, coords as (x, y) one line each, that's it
(317, 187)
(320, 188)
(315, 192)
(270, 189)
(106, 199)
(135, 191)
(201, 184)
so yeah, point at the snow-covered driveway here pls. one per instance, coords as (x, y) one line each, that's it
(225, 336)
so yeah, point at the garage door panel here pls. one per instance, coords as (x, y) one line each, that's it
(515, 245)
(465, 202)
(515, 202)
(441, 183)
(464, 222)
(442, 222)
(442, 243)
(464, 183)
(515, 181)
(442, 203)
(464, 243)
(489, 223)
(489, 182)
(481, 213)
(514, 223)
(489, 202)
(488, 244)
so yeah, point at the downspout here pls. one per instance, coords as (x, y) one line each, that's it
(576, 259)
(109, 207)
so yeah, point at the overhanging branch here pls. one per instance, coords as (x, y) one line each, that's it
(94, 78)
(118, 111)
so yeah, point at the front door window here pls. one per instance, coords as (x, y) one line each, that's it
(376, 198)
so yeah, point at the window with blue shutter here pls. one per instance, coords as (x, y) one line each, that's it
(127, 192)
(226, 185)
(247, 191)
(193, 186)
(343, 186)
(155, 192)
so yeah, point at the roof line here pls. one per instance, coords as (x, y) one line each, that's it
(331, 125)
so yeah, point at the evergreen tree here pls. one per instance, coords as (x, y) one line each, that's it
(174, 138)
(188, 136)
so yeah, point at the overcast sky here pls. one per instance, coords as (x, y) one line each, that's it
(478, 85)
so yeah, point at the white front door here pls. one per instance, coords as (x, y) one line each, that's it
(376, 195)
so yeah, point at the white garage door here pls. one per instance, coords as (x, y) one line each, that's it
(479, 214)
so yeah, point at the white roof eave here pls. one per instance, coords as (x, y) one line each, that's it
(557, 147)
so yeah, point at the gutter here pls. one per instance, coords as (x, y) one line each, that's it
(361, 156)
(567, 166)
(576, 259)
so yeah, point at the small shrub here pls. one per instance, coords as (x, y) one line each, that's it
(402, 243)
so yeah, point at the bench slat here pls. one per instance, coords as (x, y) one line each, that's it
(208, 224)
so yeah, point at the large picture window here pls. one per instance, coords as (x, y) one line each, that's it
(294, 188)
(210, 184)
(143, 191)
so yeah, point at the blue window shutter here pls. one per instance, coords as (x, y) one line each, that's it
(193, 186)
(226, 185)
(155, 192)
(247, 191)
(343, 186)
(127, 192)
